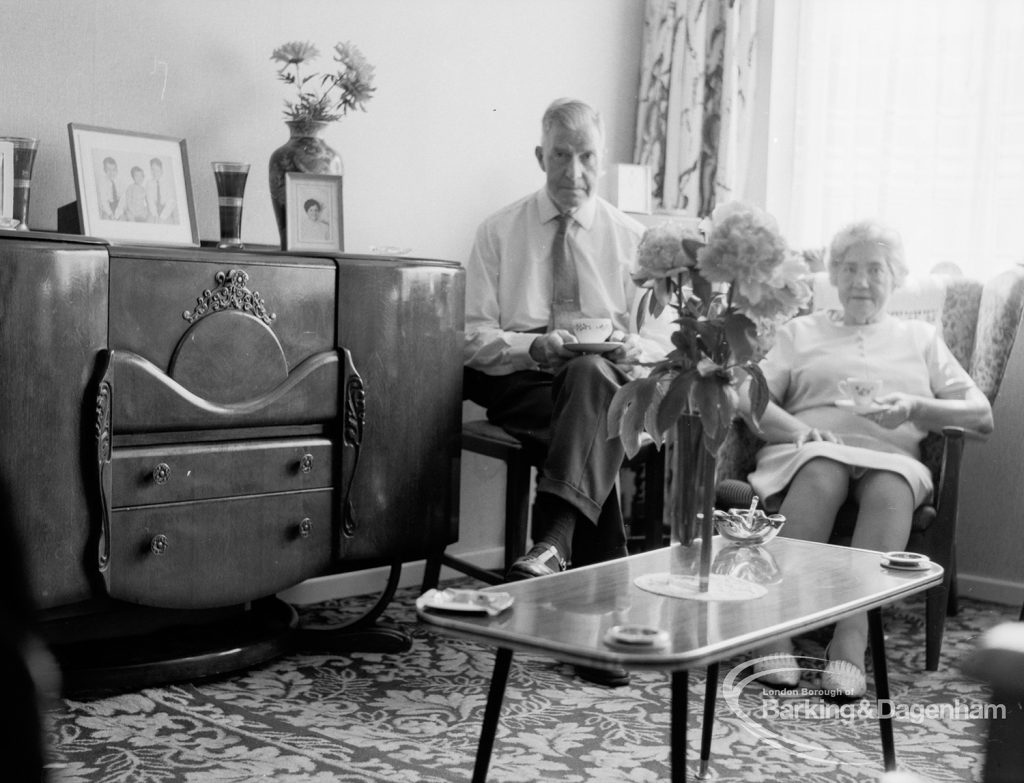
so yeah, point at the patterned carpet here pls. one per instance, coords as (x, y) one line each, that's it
(416, 717)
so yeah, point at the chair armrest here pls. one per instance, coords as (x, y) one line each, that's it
(947, 494)
(941, 533)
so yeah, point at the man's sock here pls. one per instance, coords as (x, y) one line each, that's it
(554, 520)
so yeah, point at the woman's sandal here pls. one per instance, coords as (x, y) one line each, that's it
(842, 679)
(779, 669)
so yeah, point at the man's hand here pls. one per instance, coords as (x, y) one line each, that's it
(548, 350)
(628, 355)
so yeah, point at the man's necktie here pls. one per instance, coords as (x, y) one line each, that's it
(565, 297)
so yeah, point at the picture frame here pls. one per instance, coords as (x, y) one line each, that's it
(131, 187)
(6, 183)
(314, 217)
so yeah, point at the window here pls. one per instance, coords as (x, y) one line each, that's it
(907, 110)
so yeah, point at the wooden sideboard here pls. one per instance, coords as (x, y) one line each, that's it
(185, 432)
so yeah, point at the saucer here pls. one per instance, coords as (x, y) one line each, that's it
(464, 601)
(853, 407)
(591, 347)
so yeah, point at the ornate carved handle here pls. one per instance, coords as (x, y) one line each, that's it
(159, 544)
(305, 528)
(306, 463)
(161, 473)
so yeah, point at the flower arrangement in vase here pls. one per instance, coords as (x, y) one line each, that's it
(729, 291)
(322, 98)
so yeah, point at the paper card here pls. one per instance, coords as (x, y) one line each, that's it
(631, 187)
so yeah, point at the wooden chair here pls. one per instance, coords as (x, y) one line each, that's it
(979, 323)
(482, 437)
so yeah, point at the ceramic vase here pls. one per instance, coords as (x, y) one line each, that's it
(305, 152)
(690, 490)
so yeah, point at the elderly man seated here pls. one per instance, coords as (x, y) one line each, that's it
(536, 267)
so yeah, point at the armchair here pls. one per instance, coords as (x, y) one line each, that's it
(979, 323)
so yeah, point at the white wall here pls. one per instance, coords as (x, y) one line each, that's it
(448, 137)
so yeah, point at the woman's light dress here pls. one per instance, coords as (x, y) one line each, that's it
(813, 353)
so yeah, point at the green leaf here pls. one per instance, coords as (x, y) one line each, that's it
(651, 415)
(675, 401)
(701, 287)
(715, 400)
(691, 247)
(624, 396)
(759, 394)
(741, 333)
(641, 313)
(629, 408)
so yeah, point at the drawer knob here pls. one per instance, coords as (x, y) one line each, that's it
(158, 545)
(161, 473)
(306, 463)
(305, 528)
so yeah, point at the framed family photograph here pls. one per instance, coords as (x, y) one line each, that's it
(313, 212)
(132, 187)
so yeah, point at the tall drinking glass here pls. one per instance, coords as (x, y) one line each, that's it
(24, 159)
(231, 179)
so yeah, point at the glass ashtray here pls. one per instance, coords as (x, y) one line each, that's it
(741, 526)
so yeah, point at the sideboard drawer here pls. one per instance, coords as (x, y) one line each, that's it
(218, 552)
(156, 296)
(166, 474)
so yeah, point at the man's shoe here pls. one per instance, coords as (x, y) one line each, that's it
(542, 560)
(612, 678)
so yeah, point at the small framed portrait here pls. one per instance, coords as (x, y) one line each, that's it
(6, 183)
(132, 188)
(313, 212)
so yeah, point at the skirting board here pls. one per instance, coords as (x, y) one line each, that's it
(373, 580)
(984, 588)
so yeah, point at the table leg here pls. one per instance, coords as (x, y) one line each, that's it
(677, 751)
(882, 687)
(502, 664)
(707, 727)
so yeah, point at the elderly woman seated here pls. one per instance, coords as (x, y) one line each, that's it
(822, 449)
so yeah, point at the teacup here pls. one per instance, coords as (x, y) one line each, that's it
(860, 391)
(592, 330)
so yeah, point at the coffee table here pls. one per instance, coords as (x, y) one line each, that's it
(567, 615)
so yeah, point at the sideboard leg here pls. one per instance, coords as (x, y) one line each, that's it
(364, 634)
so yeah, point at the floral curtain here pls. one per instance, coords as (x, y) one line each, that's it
(696, 98)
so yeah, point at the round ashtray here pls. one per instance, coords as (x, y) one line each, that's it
(911, 561)
(636, 637)
(739, 526)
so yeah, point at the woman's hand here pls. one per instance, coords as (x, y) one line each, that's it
(812, 434)
(899, 408)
